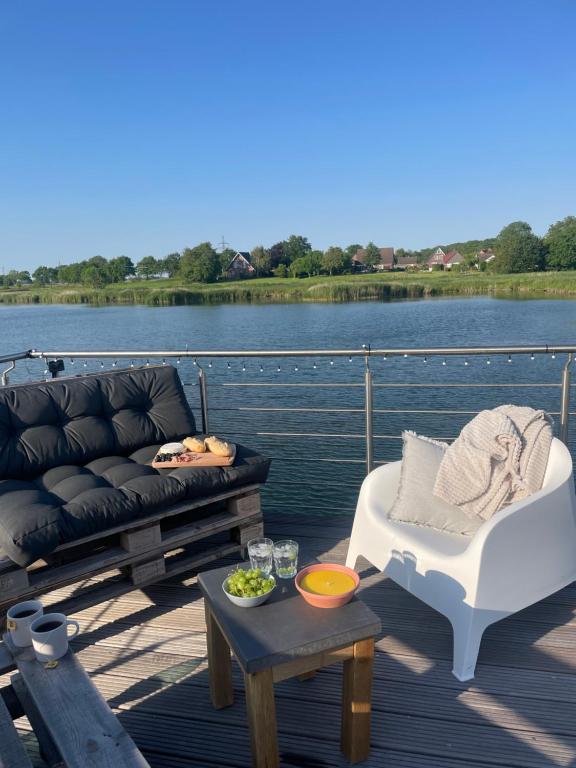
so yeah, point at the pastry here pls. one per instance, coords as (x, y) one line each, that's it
(219, 447)
(195, 444)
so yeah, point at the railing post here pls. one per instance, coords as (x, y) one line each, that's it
(369, 413)
(4, 378)
(203, 400)
(565, 403)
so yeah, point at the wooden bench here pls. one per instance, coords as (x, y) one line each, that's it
(74, 725)
(138, 553)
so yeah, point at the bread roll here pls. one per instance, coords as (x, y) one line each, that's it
(195, 444)
(219, 447)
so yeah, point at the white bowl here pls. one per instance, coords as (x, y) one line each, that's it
(247, 602)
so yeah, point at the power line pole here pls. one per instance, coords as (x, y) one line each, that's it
(223, 244)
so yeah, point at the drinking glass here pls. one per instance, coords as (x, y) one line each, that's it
(260, 554)
(286, 558)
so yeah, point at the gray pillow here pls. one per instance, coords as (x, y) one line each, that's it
(416, 502)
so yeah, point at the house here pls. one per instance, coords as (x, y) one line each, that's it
(240, 266)
(386, 262)
(437, 259)
(444, 260)
(486, 255)
(406, 262)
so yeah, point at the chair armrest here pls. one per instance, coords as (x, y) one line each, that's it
(379, 489)
(527, 551)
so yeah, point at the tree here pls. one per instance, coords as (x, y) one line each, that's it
(71, 273)
(371, 255)
(353, 249)
(93, 276)
(561, 243)
(295, 247)
(277, 254)
(171, 264)
(200, 264)
(119, 268)
(97, 261)
(280, 271)
(335, 261)
(261, 260)
(518, 249)
(147, 267)
(45, 275)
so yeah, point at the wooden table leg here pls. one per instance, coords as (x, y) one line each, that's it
(356, 702)
(262, 719)
(219, 663)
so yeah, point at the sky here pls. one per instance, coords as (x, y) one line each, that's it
(140, 127)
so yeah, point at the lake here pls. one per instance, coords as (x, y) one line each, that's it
(316, 463)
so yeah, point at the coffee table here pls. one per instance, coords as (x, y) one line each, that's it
(287, 638)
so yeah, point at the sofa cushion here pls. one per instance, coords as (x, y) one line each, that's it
(75, 420)
(69, 502)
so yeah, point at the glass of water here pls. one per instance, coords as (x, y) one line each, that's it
(260, 554)
(286, 558)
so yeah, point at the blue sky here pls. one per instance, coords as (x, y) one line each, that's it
(142, 127)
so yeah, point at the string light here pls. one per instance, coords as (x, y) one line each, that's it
(101, 363)
(178, 361)
(350, 358)
(405, 355)
(331, 362)
(425, 359)
(314, 366)
(279, 369)
(131, 363)
(488, 362)
(465, 362)
(85, 364)
(385, 357)
(115, 363)
(163, 361)
(210, 364)
(244, 367)
(553, 355)
(532, 356)
(147, 362)
(228, 366)
(194, 363)
(444, 361)
(295, 369)
(71, 361)
(261, 368)
(509, 358)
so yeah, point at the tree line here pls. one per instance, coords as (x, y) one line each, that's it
(517, 249)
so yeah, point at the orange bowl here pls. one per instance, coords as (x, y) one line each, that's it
(327, 601)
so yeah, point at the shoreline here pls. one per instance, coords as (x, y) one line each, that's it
(333, 290)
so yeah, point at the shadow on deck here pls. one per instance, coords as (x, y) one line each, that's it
(146, 652)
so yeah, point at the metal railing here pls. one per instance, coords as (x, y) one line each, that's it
(202, 359)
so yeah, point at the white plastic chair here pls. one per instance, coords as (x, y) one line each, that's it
(524, 553)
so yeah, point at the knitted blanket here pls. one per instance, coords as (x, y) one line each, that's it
(499, 457)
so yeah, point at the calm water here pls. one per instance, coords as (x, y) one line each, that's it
(308, 448)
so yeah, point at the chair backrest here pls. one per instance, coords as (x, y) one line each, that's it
(559, 467)
(76, 420)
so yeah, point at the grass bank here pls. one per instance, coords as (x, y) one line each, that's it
(374, 287)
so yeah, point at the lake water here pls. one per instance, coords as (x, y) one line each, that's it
(315, 466)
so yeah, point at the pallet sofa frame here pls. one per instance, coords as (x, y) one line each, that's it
(139, 553)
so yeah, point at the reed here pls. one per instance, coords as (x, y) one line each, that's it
(343, 288)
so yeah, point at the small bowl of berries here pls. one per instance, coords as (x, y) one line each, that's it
(248, 587)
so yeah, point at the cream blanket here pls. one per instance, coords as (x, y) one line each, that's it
(499, 457)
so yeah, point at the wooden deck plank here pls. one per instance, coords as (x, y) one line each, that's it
(146, 652)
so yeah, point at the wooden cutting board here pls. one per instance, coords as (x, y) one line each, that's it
(206, 459)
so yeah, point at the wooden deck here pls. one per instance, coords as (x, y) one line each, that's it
(146, 653)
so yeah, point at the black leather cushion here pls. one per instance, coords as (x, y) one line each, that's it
(91, 455)
(71, 421)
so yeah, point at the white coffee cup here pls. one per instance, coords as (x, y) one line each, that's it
(19, 620)
(50, 636)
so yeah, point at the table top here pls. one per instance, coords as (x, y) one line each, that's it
(286, 627)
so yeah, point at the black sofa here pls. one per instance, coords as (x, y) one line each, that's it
(75, 453)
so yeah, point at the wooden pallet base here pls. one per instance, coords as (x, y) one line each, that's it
(166, 544)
